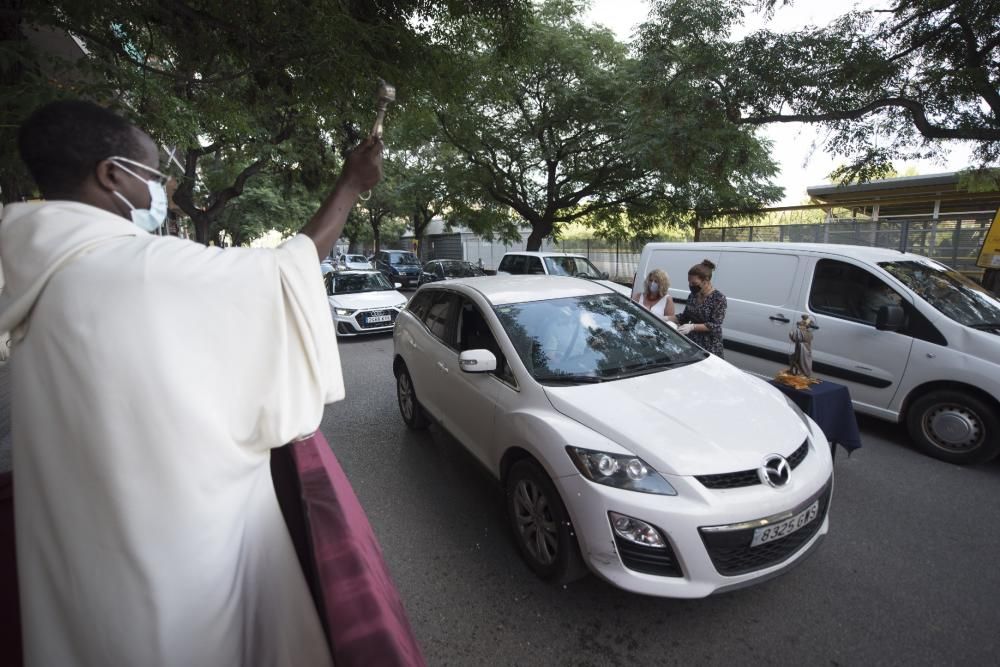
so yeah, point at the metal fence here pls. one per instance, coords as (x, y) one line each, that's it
(952, 241)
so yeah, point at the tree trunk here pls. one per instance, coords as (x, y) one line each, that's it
(538, 234)
(201, 227)
(377, 234)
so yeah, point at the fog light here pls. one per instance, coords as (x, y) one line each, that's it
(636, 531)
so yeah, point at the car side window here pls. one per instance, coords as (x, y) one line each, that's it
(439, 271)
(440, 314)
(419, 303)
(849, 292)
(535, 266)
(512, 264)
(473, 333)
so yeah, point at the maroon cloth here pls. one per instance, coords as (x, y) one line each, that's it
(360, 606)
(10, 613)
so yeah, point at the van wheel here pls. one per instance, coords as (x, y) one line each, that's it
(541, 525)
(954, 426)
(409, 407)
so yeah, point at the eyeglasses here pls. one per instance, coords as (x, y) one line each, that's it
(118, 160)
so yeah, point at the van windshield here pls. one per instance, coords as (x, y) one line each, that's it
(949, 291)
(404, 258)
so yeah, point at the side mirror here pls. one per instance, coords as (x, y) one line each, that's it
(604, 275)
(477, 361)
(397, 285)
(890, 318)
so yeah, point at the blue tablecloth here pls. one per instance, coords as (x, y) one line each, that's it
(829, 405)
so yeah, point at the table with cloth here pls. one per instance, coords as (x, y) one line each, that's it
(829, 405)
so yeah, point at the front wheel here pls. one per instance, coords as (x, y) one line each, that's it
(954, 426)
(541, 525)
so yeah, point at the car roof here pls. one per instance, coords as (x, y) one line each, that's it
(536, 253)
(501, 290)
(869, 253)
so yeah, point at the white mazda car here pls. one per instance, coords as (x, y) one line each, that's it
(621, 445)
(362, 302)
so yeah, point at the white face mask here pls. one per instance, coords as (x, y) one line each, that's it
(654, 287)
(150, 219)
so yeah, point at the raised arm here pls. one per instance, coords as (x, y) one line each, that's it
(362, 171)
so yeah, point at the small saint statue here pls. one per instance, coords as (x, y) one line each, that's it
(801, 359)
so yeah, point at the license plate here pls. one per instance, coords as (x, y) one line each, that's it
(787, 527)
(374, 319)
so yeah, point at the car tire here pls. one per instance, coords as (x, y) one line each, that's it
(954, 426)
(409, 407)
(552, 552)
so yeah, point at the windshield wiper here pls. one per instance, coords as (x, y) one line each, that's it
(660, 365)
(985, 325)
(571, 379)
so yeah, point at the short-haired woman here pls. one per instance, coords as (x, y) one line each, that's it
(654, 297)
(702, 318)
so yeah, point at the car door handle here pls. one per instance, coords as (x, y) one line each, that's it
(779, 318)
(442, 366)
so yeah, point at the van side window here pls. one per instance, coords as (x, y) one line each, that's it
(535, 266)
(849, 292)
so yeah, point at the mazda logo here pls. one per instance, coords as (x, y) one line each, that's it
(775, 471)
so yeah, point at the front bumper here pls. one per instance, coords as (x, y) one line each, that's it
(708, 531)
(361, 322)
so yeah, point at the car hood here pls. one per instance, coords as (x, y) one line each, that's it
(701, 419)
(364, 300)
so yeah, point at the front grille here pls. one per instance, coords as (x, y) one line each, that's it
(648, 560)
(732, 554)
(733, 480)
(362, 318)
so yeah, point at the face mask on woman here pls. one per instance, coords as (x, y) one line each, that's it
(654, 287)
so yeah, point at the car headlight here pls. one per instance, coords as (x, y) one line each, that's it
(345, 311)
(622, 471)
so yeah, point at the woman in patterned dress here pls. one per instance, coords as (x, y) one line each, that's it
(702, 318)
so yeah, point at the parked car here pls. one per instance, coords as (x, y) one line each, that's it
(621, 445)
(447, 269)
(362, 302)
(914, 341)
(399, 266)
(356, 263)
(555, 264)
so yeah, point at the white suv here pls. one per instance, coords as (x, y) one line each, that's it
(621, 444)
(555, 264)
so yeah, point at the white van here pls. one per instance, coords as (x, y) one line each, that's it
(932, 362)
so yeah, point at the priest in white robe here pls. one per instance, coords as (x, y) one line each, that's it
(151, 376)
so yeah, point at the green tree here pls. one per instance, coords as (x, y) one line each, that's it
(888, 83)
(566, 129)
(264, 84)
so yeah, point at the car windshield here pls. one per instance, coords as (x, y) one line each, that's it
(405, 259)
(572, 266)
(460, 270)
(352, 283)
(949, 291)
(592, 339)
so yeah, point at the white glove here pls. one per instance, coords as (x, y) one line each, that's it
(686, 328)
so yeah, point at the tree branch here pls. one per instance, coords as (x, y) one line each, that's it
(916, 110)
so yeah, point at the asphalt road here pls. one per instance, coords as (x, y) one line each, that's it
(908, 574)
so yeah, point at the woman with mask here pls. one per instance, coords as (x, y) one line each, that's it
(654, 297)
(702, 318)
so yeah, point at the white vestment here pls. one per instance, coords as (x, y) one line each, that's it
(150, 377)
